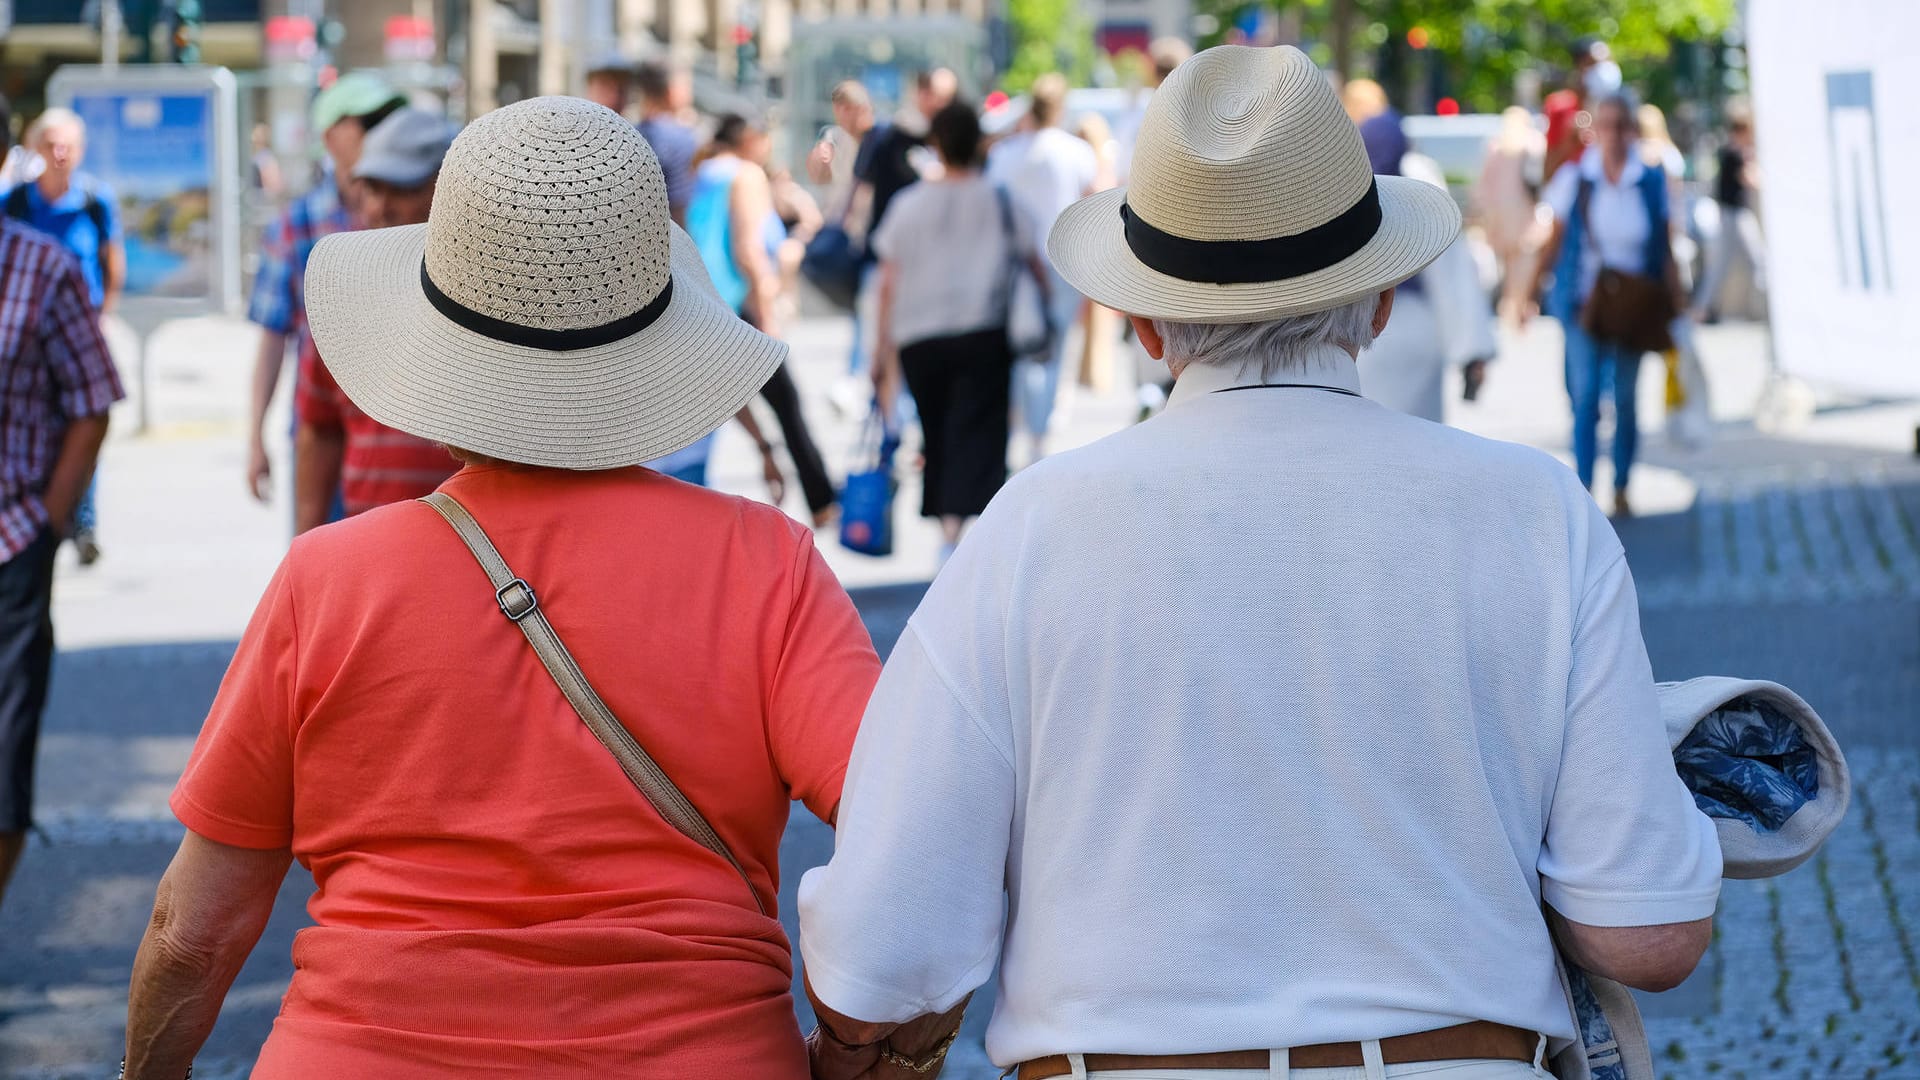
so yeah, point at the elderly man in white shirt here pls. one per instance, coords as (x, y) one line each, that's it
(1280, 734)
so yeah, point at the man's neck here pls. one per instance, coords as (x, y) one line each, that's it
(655, 111)
(54, 185)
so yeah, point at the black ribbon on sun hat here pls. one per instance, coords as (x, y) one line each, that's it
(536, 337)
(1241, 262)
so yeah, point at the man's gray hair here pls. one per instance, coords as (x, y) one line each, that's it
(1278, 345)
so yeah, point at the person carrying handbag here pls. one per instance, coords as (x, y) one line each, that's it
(1616, 290)
(536, 736)
(952, 252)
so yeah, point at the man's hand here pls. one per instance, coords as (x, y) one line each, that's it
(259, 470)
(820, 162)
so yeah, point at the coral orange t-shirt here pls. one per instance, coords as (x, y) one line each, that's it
(494, 896)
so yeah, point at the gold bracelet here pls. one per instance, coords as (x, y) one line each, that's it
(932, 1062)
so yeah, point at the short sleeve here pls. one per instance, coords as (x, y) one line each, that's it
(1562, 189)
(1624, 845)
(317, 400)
(820, 688)
(76, 352)
(907, 917)
(238, 785)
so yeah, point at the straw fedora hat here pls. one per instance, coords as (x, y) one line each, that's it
(548, 312)
(1250, 199)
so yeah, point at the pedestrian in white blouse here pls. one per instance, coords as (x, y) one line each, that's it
(1282, 734)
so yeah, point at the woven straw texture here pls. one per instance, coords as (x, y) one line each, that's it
(549, 213)
(1248, 144)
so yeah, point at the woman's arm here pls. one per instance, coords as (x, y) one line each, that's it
(1543, 264)
(209, 911)
(886, 352)
(750, 203)
(769, 464)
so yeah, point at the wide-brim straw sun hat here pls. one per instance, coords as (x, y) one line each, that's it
(548, 313)
(1250, 199)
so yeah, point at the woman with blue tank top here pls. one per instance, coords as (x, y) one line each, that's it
(733, 224)
(1611, 212)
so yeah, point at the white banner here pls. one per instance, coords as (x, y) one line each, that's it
(1839, 140)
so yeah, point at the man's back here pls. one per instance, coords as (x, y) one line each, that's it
(1300, 706)
(1047, 170)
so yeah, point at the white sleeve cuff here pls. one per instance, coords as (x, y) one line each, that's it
(1597, 907)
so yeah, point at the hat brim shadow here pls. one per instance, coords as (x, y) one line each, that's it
(623, 403)
(1088, 246)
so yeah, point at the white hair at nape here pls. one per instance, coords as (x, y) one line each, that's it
(1277, 345)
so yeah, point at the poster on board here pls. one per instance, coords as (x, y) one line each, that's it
(163, 139)
(1839, 143)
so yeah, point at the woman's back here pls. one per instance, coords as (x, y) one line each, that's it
(492, 890)
(948, 242)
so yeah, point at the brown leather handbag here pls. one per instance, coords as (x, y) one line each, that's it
(1631, 310)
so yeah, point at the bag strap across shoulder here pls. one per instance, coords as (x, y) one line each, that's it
(519, 604)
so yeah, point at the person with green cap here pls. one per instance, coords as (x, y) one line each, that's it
(342, 115)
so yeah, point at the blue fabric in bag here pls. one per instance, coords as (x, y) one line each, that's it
(866, 500)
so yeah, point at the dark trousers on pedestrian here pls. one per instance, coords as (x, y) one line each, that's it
(784, 397)
(961, 385)
(26, 662)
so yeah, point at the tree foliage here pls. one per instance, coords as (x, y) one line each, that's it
(1047, 35)
(1479, 47)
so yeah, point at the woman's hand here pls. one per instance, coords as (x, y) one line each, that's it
(886, 378)
(770, 469)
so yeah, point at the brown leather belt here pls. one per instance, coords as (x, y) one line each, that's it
(1480, 1039)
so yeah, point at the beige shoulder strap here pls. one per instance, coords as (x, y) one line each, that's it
(518, 603)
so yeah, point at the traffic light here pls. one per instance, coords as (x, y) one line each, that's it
(186, 31)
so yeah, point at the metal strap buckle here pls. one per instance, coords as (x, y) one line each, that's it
(517, 607)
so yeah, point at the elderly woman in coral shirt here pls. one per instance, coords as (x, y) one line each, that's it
(495, 895)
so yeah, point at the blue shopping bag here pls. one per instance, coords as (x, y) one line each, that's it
(866, 500)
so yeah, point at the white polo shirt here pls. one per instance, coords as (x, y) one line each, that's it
(1270, 721)
(1617, 221)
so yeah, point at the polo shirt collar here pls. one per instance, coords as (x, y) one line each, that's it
(1329, 366)
(1591, 169)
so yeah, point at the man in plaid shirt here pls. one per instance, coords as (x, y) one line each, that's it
(56, 384)
(342, 114)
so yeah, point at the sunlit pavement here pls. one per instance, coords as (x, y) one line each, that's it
(1792, 557)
